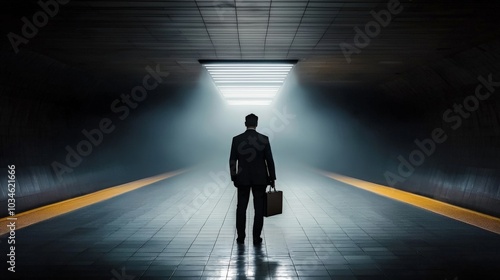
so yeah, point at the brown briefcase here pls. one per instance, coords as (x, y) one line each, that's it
(274, 203)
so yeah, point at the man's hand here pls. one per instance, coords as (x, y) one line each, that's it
(271, 183)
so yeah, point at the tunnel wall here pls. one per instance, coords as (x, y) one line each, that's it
(372, 132)
(364, 131)
(464, 166)
(45, 105)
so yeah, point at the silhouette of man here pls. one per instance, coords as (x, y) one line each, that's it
(252, 168)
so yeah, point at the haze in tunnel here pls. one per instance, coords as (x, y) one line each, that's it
(302, 127)
(297, 128)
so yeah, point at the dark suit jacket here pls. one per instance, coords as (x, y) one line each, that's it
(251, 161)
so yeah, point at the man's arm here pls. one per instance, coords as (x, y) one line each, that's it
(270, 162)
(233, 159)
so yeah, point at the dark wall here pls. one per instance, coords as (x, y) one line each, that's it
(374, 131)
(44, 107)
(458, 99)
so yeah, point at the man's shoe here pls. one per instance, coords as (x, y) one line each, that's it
(240, 241)
(257, 241)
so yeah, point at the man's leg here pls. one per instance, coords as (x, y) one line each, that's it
(241, 211)
(259, 193)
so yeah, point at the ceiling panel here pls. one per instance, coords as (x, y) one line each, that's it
(124, 36)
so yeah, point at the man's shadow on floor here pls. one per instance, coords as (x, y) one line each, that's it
(258, 268)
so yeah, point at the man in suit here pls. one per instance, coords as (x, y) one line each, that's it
(252, 168)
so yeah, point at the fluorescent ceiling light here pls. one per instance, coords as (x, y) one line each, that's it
(250, 102)
(248, 82)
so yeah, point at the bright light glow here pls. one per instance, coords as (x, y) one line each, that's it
(248, 95)
(248, 83)
(250, 102)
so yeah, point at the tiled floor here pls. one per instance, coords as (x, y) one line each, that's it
(184, 228)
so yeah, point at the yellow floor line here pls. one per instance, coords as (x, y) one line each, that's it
(474, 218)
(43, 213)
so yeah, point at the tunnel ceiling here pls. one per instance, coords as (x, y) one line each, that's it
(122, 37)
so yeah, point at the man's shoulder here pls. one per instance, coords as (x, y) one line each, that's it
(262, 135)
(251, 133)
(239, 136)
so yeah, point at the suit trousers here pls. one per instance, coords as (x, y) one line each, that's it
(258, 193)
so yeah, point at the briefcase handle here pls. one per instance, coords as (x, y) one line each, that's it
(270, 189)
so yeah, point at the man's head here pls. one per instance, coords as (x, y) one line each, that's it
(251, 120)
